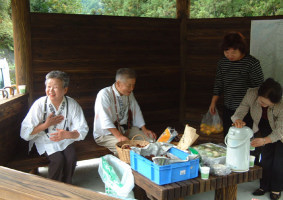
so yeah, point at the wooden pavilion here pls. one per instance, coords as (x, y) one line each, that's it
(175, 60)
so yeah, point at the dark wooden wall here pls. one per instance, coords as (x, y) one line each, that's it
(92, 48)
(11, 116)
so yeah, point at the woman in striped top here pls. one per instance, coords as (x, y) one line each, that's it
(236, 72)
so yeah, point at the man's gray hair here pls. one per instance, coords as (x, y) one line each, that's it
(125, 73)
(63, 76)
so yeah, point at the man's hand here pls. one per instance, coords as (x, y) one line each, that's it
(122, 138)
(149, 133)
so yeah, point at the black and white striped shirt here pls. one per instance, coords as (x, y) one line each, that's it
(233, 78)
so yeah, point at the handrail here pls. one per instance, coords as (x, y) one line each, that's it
(11, 89)
(3, 93)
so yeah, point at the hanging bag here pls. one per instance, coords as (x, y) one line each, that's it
(211, 124)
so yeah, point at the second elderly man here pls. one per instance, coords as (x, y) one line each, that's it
(117, 114)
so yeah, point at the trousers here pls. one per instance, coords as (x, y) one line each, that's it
(110, 141)
(62, 164)
(271, 161)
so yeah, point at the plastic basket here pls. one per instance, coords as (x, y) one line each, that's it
(168, 173)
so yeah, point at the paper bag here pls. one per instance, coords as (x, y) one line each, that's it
(188, 138)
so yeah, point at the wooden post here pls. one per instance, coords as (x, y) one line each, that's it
(227, 193)
(22, 43)
(183, 15)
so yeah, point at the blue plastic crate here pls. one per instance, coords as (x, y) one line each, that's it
(166, 174)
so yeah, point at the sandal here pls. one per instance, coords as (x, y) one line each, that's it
(274, 196)
(259, 192)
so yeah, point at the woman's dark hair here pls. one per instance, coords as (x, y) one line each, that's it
(234, 40)
(271, 90)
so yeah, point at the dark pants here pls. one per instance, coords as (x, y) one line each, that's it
(62, 164)
(227, 122)
(271, 161)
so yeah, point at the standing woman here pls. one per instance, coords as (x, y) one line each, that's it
(266, 107)
(236, 72)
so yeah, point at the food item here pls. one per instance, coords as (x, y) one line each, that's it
(168, 135)
(128, 146)
(210, 150)
(149, 157)
(208, 129)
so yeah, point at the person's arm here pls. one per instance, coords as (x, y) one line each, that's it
(244, 106)
(256, 75)
(217, 89)
(51, 120)
(63, 134)
(104, 116)
(212, 107)
(239, 123)
(138, 119)
(258, 142)
(76, 120)
(32, 124)
(148, 132)
(277, 117)
(120, 137)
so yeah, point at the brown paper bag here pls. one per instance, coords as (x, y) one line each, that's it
(188, 138)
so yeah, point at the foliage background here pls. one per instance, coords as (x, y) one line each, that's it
(138, 8)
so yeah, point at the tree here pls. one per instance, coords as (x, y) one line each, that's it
(6, 36)
(94, 7)
(56, 6)
(140, 8)
(233, 8)
(6, 26)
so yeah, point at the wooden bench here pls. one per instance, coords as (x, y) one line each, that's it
(225, 186)
(18, 185)
(86, 149)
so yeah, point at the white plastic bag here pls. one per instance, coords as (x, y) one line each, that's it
(211, 123)
(117, 177)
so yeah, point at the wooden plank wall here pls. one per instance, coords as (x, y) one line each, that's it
(92, 48)
(11, 116)
(203, 52)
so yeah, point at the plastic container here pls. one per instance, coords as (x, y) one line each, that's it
(238, 148)
(211, 153)
(166, 174)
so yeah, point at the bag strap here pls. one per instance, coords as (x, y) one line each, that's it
(45, 113)
(117, 120)
(130, 114)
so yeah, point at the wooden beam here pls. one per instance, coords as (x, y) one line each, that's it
(183, 14)
(19, 185)
(183, 8)
(22, 44)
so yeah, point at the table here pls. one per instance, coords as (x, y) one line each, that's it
(19, 185)
(225, 186)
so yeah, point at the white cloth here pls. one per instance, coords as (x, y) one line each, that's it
(105, 112)
(75, 121)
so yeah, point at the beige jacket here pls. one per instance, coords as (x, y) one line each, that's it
(274, 114)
